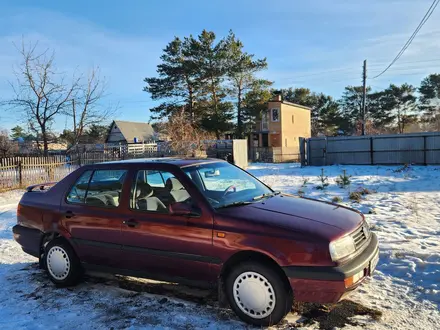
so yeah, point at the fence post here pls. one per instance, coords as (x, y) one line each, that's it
(20, 173)
(424, 150)
(302, 151)
(371, 151)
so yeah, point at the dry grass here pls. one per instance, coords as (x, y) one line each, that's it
(336, 199)
(355, 196)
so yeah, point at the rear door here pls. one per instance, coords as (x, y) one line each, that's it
(93, 215)
(161, 245)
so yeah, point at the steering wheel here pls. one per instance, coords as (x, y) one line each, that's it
(234, 189)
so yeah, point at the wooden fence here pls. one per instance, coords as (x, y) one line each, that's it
(18, 172)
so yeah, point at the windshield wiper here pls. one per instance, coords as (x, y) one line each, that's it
(239, 203)
(266, 195)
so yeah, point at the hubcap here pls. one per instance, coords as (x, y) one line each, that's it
(254, 295)
(58, 263)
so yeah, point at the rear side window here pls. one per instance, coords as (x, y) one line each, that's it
(78, 192)
(103, 189)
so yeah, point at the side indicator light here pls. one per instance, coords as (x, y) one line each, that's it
(349, 281)
(221, 235)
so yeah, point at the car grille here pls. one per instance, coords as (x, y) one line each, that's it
(361, 235)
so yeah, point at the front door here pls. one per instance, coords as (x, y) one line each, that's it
(161, 245)
(265, 139)
(92, 214)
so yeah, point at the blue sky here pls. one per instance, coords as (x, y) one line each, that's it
(319, 44)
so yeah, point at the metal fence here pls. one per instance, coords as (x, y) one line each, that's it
(274, 154)
(416, 148)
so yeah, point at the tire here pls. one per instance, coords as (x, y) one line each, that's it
(62, 264)
(258, 294)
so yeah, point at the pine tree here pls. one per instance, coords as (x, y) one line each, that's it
(241, 73)
(430, 100)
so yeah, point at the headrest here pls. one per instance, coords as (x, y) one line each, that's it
(174, 184)
(143, 190)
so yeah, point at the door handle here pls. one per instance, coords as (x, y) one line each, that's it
(131, 223)
(69, 214)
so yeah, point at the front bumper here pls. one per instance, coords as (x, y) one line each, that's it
(29, 239)
(323, 284)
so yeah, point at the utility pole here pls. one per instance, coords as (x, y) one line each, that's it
(364, 94)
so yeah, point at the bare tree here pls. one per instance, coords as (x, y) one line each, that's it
(41, 92)
(184, 137)
(86, 110)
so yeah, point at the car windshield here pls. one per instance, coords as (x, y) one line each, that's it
(226, 185)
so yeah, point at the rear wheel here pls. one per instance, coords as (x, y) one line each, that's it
(258, 294)
(62, 264)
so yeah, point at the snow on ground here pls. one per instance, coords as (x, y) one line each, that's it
(404, 211)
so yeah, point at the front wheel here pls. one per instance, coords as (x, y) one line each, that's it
(257, 294)
(62, 264)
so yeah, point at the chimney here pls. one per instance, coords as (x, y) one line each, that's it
(276, 97)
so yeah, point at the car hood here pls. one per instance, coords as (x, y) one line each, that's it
(300, 215)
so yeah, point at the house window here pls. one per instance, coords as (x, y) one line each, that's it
(293, 119)
(285, 141)
(275, 115)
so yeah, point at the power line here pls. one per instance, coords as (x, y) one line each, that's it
(410, 40)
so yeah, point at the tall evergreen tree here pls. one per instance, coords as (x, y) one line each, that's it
(400, 103)
(254, 103)
(241, 73)
(430, 100)
(17, 132)
(351, 105)
(211, 60)
(175, 82)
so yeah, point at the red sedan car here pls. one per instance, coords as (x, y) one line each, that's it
(199, 222)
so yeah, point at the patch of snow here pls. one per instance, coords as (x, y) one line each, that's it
(403, 210)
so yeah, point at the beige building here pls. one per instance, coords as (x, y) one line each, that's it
(280, 128)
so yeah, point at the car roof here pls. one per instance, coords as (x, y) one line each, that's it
(180, 162)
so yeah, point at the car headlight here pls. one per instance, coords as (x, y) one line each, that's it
(342, 248)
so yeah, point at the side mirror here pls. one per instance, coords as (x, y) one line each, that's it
(182, 209)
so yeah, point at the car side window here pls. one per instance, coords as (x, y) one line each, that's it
(78, 192)
(105, 188)
(155, 190)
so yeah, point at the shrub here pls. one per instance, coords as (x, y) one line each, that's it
(404, 168)
(324, 181)
(305, 182)
(355, 196)
(343, 180)
(336, 199)
(365, 191)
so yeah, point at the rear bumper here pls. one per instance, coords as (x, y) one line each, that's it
(329, 284)
(29, 239)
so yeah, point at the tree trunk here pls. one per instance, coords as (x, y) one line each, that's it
(239, 119)
(191, 104)
(45, 143)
